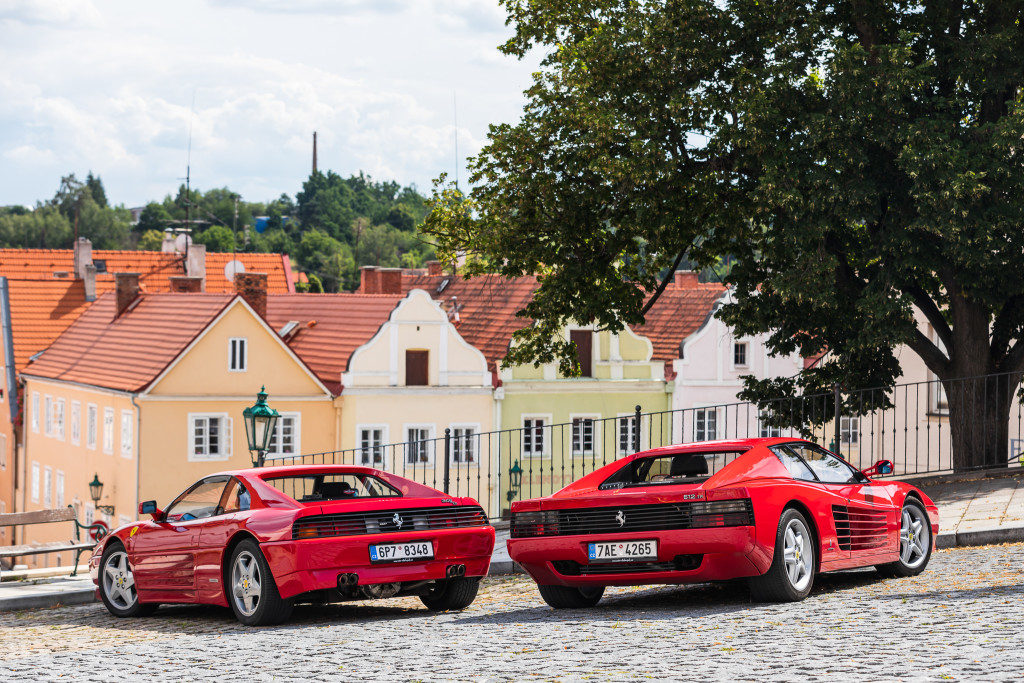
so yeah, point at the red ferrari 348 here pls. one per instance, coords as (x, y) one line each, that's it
(775, 511)
(260, 540)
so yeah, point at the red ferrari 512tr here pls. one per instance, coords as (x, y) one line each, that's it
(259, 540)
(776, 511)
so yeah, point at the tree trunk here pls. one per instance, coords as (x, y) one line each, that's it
(979, 414)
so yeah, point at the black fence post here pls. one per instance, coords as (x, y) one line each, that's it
(838, 441)
(636, 431)
(447, 456)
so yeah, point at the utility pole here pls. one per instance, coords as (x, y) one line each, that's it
(314, 152)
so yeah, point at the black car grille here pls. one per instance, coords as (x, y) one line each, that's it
(859, 528)
(388, 521)
(681, 563)
(625, 519)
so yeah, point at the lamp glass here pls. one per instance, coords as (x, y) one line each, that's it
(96, 488)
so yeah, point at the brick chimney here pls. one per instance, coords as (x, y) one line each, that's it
(126, 285)
(253, 288)
(89, 281)
(195, 264)
(186, 284)
(369, 280)
(83, 257)
(434, 268)
(390, 280)
(687, 279)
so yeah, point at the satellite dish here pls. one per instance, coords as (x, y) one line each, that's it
(182, 242)
(231, 268)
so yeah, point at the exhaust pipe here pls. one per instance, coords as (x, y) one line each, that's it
(455, 570)
(347, 580)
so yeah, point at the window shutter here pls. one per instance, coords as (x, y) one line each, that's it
(226, 440)
(416, 363)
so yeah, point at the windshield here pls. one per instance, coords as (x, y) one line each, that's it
(316, 488)
(681, 468)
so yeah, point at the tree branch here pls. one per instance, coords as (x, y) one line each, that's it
(929, 353)
(927, 306)
(664, 283)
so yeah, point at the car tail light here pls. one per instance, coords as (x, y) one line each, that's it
(737, 512)
(304, 531)
(728, 494)
(525, 524)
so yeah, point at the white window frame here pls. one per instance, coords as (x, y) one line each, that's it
(35, 481)
(91, 425)
(594, 434)
(58, 419)
(58, 492)
(545, 432)
(360, 447)
(849, 427)
(460, 440)
(275, 440)
(225, 435)
(76, 423)
(746, 354)
(628, 419)
(427, 445)
(238, 354)
(90, 514)
(108, 431)
(127, 431)
(48, 415)
(47, 487)
(699, 411)
(766, 431)
(35, 412)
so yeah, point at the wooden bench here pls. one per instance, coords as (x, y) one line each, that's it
(75, 544)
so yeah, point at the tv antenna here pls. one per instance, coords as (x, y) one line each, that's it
(455, 123)
(188, 186)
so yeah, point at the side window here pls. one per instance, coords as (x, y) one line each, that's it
(198, 502)
(238, 498)
(828, 468)
(795, 465)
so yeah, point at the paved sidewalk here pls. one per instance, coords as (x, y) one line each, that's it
(974, 509)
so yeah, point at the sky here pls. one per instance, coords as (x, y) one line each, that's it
(115, 86)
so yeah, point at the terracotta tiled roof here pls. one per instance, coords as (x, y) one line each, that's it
(154, 267)
(330, 327)
(129, 352)
(678, 313)
(40, 312)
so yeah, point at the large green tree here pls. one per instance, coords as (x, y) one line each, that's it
(861, 160)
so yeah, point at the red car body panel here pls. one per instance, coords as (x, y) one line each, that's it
(727, 552)
(184, 561)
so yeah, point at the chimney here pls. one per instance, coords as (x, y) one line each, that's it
(168, 246)
(186, 284)
(127, 288)
(390, 280)
(434, 268)
(90, 281)
(687, 279)
(83, 257)
(253, 288)
(195, 264)
(369, 280)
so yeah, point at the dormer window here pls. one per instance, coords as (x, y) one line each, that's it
(237, 359)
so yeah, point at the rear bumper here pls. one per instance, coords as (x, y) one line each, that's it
(314, 564)
(723, 554)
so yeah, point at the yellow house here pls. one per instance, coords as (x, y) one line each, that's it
(146, 392)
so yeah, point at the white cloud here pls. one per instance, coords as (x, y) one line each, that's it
(30, 155)
(66, 13)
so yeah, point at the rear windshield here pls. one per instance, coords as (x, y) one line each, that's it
(682, 468)
(313, 488)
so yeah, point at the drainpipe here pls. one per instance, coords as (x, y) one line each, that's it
(138, 452)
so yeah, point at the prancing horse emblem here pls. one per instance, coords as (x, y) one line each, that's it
(620, 517)
(397, 519)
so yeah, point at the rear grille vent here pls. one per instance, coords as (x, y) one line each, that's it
(680, 563)
(388, 521)
(607, 520)
(859, 528)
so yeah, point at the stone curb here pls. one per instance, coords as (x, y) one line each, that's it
(989, 536)
(48, 600)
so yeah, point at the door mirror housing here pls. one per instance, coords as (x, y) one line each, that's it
(149, 508)
(882, 467)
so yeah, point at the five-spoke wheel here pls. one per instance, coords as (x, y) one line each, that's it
(791, 574)
(251, 589)
(117, 584)
(915, 541)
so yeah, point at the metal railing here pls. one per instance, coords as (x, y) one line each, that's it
(908, 424)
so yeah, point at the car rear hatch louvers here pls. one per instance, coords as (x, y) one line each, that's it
(627, 519)
(388, 521)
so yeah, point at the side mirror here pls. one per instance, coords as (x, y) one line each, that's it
(882, 467)
(149, 508)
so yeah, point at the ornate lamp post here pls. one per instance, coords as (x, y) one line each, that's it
(260, 421)
(96, 492)
(515, 481)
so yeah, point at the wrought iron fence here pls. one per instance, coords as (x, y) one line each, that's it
(908, 424)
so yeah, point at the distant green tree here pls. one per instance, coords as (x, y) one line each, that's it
(95, 185)
(151, 240)
(217, 238)
(44, 228)
(153, 217)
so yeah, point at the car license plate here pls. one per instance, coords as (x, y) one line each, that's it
(402, 552)
(614, 551)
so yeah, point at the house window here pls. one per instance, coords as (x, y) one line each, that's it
(58, 419)
(285, 441)
(90, 426)
(48, 403)
(584, 340)
(418, 449)
(371, 447)
(108, 430)
(47, 487)
(705, 424)
(940, 404)
(766, 430)
(60, 489)
(35, 482)
(464, 444)
(533, 437)
(126, 433)
(739, 354)
(237, 361)
(849, 430)
(627, 434)
(35, 411)
(417, 363)
(210, 435)
(583, 436)
(76, 422)
(90, 514)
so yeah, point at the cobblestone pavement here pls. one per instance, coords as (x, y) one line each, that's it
(960, 620)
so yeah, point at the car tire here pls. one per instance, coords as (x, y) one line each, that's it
(452, 594)
(117, 584)
(251, 590)
(568, 597)
(791, 574)
(915, 542)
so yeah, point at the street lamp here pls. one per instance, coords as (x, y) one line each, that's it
(260, 421)
(515, 481)
(96, 492)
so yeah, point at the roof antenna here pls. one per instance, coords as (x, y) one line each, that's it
(314, 152)
(188, 187)
(455, 122)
